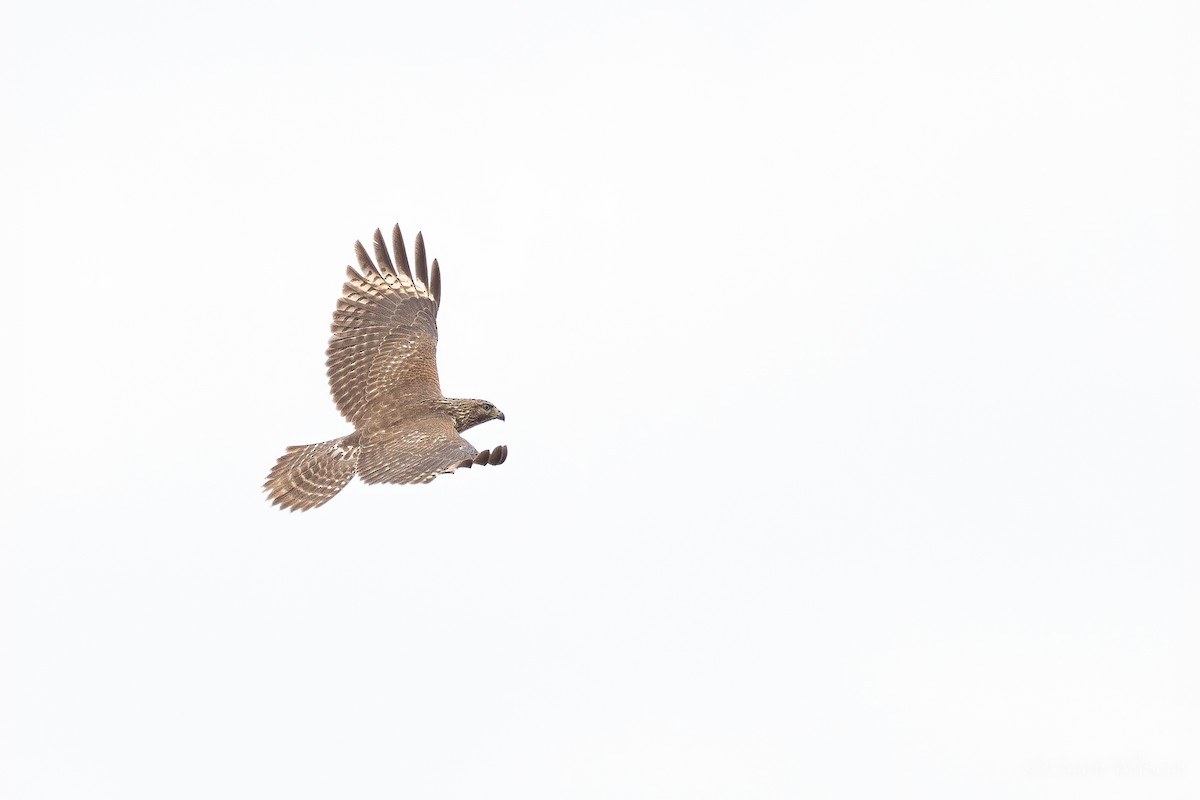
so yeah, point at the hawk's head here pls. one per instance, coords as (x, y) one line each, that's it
(469, 413)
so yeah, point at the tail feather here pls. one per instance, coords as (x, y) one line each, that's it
(309, 476)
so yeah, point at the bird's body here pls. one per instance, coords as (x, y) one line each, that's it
(382, 361)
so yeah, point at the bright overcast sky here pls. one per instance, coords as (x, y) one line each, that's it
(849, 352)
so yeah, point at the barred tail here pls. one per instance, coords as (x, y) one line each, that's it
(310, 475)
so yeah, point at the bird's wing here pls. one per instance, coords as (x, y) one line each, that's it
(417, 451)
(385, 329)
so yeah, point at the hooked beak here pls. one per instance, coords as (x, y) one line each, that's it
(501, 417)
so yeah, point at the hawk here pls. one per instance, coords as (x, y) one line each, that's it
(382, 366)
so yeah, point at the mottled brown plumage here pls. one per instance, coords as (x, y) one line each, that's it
(382, 361)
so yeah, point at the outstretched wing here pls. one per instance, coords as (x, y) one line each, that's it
(420, 451)
(384, 340)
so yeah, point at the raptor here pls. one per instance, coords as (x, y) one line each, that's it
(382, 365)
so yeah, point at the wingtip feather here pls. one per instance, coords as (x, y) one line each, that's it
(422, 274)
(381, 254)
(400, 251)
(364, 261)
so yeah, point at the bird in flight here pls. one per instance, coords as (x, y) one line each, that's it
(382, 361)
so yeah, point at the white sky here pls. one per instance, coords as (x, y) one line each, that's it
(849, 353)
